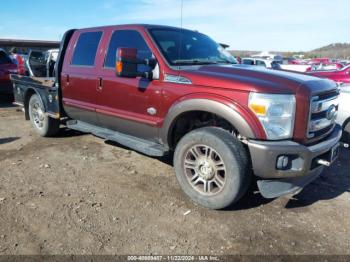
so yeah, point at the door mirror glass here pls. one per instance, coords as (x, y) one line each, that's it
(127, 62)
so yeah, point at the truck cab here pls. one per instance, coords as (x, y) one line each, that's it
(164, 90)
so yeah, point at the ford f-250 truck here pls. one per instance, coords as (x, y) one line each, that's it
(162, 90)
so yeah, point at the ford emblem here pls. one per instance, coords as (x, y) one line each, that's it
(331, 112)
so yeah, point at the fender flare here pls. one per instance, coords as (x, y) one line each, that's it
(229, 112)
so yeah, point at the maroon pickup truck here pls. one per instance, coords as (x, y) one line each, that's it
(163, 90)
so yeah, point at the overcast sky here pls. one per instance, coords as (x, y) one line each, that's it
(284, 25)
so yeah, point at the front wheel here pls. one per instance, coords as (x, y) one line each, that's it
(43, 124)
(212, 167)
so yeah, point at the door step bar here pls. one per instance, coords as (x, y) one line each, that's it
(141, 145)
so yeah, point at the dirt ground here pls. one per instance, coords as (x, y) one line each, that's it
(76, 194)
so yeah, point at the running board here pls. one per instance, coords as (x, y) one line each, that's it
(141, 145)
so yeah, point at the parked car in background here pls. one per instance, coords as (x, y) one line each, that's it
(19, 60)
(274, 64)
(325, 67)
(340, 76)
(343, 117)
(42, 63)
(295, 67)
(319, 61)
(269, 56)
(164, 90)
(7, 67)
(267, 63)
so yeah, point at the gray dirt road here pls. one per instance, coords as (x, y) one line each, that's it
(75, 194)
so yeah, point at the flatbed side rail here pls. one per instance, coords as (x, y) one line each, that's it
(46, 88)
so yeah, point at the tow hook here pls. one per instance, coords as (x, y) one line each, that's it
(345, 145)
(323, 162)
(328, 163)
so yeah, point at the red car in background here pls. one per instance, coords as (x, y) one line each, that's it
(341, 76)
(320, 61)
(18, 60)
(7, 67)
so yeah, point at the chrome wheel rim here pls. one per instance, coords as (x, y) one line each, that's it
(205, 170)
(38, 115)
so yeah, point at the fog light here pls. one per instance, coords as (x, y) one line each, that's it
(282, 162)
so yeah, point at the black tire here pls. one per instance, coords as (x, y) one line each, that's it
(237, 175)
(346, 128)
(43, 124)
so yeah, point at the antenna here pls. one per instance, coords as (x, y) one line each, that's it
(181, 24)
(182, 6)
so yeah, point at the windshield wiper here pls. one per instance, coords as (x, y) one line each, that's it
(225, 62)
(193, 62)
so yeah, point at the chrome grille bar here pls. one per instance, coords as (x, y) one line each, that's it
(328, 108)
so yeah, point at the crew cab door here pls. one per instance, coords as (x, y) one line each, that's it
(79, 76)
(128, 105)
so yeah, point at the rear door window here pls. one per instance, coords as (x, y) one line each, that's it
(128, 39)
(85, 49)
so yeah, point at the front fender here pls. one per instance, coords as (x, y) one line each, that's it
(236, 115)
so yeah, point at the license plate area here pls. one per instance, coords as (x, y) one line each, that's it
(327, 158)
(334, 153)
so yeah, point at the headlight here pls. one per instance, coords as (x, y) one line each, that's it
(275, 112)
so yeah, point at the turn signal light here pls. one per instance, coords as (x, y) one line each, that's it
(119, 67)
(258, 109)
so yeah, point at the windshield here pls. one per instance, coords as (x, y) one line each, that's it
(185, 47)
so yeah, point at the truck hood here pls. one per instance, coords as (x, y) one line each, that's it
(256, 79)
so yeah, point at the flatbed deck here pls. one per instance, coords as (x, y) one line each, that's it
(37, 81)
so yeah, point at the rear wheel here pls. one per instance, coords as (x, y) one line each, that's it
(43, 124)
(212, 167)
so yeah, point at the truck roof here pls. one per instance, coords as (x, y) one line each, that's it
(147, 26)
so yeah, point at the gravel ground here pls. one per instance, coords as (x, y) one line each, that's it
(76, 194)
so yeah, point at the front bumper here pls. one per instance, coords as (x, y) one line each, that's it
(264, 155)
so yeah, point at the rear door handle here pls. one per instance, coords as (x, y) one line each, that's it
(67, 79)
(100, 83)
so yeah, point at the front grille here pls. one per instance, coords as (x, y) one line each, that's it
(323, 112)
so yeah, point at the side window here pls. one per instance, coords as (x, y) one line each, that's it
(129, 39)
(260, 63)
(85, 49)
(248, 62)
